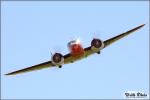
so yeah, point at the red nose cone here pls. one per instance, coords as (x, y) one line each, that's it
(77, 50)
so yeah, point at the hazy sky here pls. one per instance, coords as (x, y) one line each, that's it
(31, 30)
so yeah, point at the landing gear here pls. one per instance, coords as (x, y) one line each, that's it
(71, 61)
(60, 66)
(98, 52)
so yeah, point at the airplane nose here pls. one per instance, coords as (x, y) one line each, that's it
(76, 48)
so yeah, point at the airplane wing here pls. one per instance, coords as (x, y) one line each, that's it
(108, 42)
(67, 59)
(32, 68)
(118, 37)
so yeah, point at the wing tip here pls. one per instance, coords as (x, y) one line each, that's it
(13, 73)
(142, 25)
(6, 74)
(9, 74)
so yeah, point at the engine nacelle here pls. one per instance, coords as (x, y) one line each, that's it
(97, 44)
(57, 59)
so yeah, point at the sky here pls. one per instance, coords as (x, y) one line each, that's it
(31, 30)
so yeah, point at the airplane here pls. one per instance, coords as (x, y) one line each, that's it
(77, 52)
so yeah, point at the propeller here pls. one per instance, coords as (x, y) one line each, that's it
(97, 35)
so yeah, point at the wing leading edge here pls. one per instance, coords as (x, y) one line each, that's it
(118, 37)
(69, 59)
(32, 68)
(108, 42)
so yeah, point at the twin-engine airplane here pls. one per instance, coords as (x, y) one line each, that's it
(77, 52)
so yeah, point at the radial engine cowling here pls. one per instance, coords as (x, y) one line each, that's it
(57, 59)
(97, 44)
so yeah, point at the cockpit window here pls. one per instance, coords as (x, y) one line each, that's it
(71, 43)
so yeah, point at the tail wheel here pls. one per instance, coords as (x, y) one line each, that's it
(60, 66)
